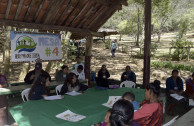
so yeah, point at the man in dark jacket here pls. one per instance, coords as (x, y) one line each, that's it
(128, 75)
(62, 74)
(32, 75)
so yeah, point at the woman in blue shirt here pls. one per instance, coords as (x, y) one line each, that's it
(174, 84)
(39, 89)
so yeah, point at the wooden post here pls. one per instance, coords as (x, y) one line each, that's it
(88, 57)
(147, 43)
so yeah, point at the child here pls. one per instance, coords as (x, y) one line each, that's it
(131, 98)
(106, 119)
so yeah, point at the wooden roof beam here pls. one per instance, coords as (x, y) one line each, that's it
(108, 2)
(20, 24)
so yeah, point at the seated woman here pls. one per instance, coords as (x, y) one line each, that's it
(122, 114)
(39, 89)
(151, 110)
(72, 84)
(103, 75)
(174, 84)
(190, 87)
(62, 74)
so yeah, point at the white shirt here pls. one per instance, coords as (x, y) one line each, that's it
(81, 76)
(76, 65)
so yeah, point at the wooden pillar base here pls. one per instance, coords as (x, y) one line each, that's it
(87, 69)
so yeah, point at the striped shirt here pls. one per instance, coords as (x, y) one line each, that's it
(150, 114)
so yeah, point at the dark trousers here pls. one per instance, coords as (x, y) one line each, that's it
(102, 82)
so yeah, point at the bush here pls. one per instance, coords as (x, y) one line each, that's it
(159, 64)
(107, 44)
(180, 50)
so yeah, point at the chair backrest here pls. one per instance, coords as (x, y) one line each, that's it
(25, 94)
(129, 84)
(58, 89)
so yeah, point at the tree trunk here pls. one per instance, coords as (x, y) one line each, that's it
(161, 27)
(138, 29)
(6, 55)
(67, 39)
(25, 69)
(120, 37)
(49, 66)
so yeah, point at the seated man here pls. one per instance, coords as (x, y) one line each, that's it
(79, 72)
(32, 75)
(190, 87)
(103, 75)
(174, 84)
(62, 74)
(128, 75)
(78, 59)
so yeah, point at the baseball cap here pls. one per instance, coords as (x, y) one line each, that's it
(38, 66)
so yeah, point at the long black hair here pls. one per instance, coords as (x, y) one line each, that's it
(178, 79)
(41, 80)
(68, 80)
(122, 113)
(154, 87)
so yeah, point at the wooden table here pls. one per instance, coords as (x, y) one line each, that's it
(186, 120)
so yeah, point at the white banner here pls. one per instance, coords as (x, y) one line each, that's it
(27, 47)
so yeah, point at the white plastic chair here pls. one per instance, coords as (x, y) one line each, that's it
(162, 98)
(25, 94)
(129, 84)
(58, 89)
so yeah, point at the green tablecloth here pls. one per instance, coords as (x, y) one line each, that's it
(89, 104)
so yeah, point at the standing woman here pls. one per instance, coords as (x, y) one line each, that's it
(39, 89)
(151, 110)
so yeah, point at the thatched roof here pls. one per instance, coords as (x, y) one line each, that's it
(81, 17)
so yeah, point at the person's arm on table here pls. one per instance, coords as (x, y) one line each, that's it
(64, 89)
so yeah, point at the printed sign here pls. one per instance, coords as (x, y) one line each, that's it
(27, 47)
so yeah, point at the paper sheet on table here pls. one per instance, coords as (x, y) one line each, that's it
(111, 101)
(70, 116)
(176, 96)
(55, 97)
(191, 102)
(73, 93)
(4, 89)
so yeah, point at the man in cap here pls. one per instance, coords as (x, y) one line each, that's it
(32, 75)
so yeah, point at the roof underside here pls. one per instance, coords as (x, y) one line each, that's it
(81, 17)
